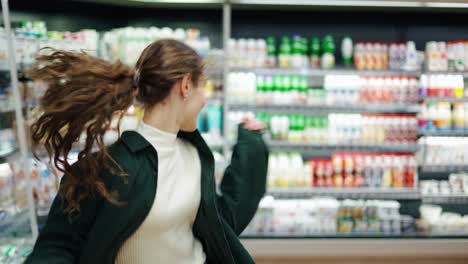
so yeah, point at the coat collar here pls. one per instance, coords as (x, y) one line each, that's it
(136, 142)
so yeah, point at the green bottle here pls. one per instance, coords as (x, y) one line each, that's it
(285, 53)
(301, 128)
(347, 50)
(271, 52)
(260, 96)
(269, 89)
(287, 89)
(278, 89)
(305, 60)
(296, 59)
(315, 53)
(328, 56)
(303, 88)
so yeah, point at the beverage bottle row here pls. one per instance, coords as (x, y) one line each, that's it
(281, 89)
(356, 90)
(457, 55)
(365, 170)
(353, 129)
(442, 85)
(325, 216)
(248, 53)
(443, 116)
(248, 88)
(446, 56)
(30, 37)
(369, 217)
(372, 129)
(126, 44)
(298, 128)
(343, 170)
(287, 53)
(385, 56)
(456, 185)
(445, 151)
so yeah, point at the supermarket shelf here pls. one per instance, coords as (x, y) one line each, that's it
(444, 133)
(323, 72)
(465, 74)
(443, 168)
(4, 153)
(328, 149)
(343, 193)
(446, 99)
(318, 247)
(305, 109)
(446, 199)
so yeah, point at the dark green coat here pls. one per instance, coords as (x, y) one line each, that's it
(101, 228)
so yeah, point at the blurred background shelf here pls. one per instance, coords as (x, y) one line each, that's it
(446, 99)
(6, 152)
(307, 109)
(345, 193)
(444, 133)
(327, 149)
(323, 72)
(446, 199)
(443, 168)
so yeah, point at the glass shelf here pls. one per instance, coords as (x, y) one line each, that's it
(323, 72)
(328, 149)
(313, 109)
(345, 193)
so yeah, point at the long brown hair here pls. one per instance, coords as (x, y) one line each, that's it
(85, 93)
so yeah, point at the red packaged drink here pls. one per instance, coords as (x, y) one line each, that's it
(359, 57)
(397, 171)
(313, 165)
(329, 181)
(387, 94)
(370, 56)
(319, 179)
(359, 170)
(409, 171)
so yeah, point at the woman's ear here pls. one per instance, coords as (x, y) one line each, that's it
(186, 86)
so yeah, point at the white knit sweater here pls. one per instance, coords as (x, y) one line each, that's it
(166, 235)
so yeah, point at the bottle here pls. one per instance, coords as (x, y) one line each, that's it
(443, 61)
(328, 56)
(271, 52)
(287, 92)
(347, 51)
(459, 86)
(302, 90)
(278, 87)
(261, 53)
(260, 93)
(296, 58)
(304, 61)
(285, 53)
(268, 90)
(301, 128)
(411, 56)
(315, 53)
(460, 54)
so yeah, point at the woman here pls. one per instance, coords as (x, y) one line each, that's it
(150, 197)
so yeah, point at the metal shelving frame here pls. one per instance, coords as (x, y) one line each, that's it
(19, 116)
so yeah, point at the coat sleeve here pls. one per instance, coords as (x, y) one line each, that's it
(244, 181)
(62, 237)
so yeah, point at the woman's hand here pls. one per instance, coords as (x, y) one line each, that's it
(252, 124)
